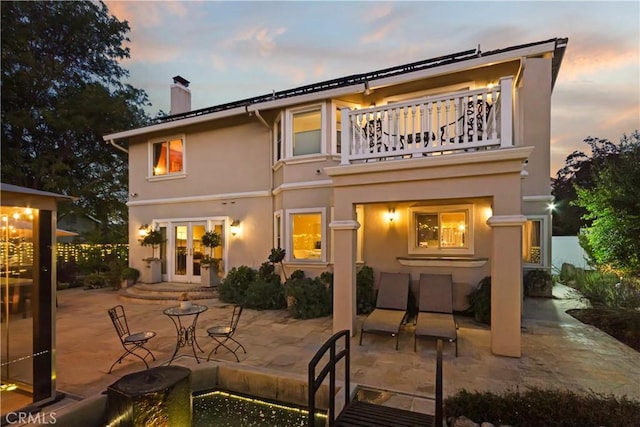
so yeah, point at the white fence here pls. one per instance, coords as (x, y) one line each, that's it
(567, 249)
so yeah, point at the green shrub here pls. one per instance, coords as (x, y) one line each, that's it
(264, 294)
(538, 283)
(365, 291)
(480, 301)
(605, 289)
(268, 274)
(540, 407)
(94, 281)
(312, 297)
(233, 288)
(130, 273)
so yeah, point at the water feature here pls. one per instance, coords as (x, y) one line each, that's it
(219, 408)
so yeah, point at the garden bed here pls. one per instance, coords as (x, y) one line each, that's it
(622, 324)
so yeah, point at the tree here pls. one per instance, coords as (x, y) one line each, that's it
(62, 90)
(613, 207)
(568, 218)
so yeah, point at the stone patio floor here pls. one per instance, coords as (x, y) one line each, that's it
(557, 350)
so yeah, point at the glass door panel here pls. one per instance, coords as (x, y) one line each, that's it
(187, 251)
(16, 330)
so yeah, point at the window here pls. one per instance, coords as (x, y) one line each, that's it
(277, 132)
(306, 234)
(532, 248)
(277, 229)
(307, 132)
(441, 229)
(167, 157)
(338, 131)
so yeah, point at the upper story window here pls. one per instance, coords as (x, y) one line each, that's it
(277, 229)
(441, 230)
(306, 131)
(277, 139)
(306, 234)
(167, 157)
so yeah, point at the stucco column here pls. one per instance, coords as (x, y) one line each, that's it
(506, 284)
(344, 274)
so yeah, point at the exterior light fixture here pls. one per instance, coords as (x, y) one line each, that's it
(235, 227)
(143, 230)
(390, 215)
(551, 206)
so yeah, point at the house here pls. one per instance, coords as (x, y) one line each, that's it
(78, 225)
(437, 166)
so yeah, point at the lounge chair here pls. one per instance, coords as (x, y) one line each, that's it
(391, 306)
(435, 309)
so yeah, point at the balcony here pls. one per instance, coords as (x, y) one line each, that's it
(468, 121)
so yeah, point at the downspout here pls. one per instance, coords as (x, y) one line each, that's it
(264, 122)
(119, 147)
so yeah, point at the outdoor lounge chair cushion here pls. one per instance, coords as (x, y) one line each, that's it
(436, 293)
(393, 291)
(384, 320)
(435, 309)
(436, 325)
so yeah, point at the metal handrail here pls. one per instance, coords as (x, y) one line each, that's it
(329, 368)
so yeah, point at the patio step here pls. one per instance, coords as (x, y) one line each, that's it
(166, 293)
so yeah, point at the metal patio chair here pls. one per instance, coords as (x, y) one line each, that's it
(132, 343)
(223, 334)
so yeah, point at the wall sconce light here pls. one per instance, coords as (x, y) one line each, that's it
(390, 215)
(235, 227)
(551, 206)
(143, 230)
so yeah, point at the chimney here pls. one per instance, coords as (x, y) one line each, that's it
(180, 96)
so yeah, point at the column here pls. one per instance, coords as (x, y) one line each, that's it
(344, 274)
(506, 284)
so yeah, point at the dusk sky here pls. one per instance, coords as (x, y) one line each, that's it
(240, 49)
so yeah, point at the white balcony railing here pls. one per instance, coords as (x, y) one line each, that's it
(457, 122)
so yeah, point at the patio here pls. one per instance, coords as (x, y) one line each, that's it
(558, 351)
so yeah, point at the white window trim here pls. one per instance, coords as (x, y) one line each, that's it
(288, 235)
(182, 174)
(335, 106)
(278, 219)
(544, 242)
(412, 249)
(288, 128)
(360, 234)
(279, 120)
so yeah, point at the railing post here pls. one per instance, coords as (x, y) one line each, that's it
(345, 135)
(506, 112)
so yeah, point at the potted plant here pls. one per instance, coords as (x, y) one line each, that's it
(185, 303)
(277, 257)
(210, 266)
(152, 273)
(129, 276)
(538, 283)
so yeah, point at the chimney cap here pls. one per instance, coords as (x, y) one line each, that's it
(181, 80)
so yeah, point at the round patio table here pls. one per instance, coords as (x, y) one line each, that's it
(185, 320)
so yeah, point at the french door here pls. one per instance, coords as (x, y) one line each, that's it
(188, 250)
